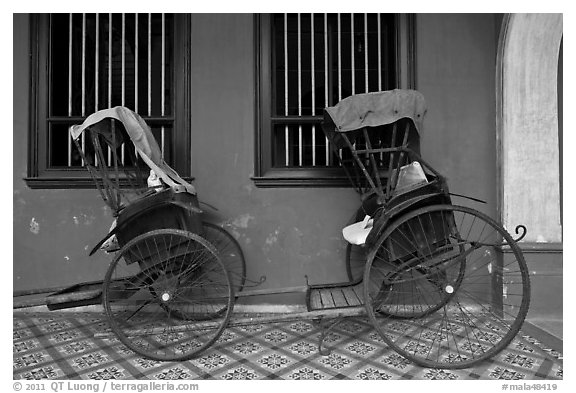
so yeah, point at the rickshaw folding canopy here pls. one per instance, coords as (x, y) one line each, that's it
(142, 138)
(374, 109)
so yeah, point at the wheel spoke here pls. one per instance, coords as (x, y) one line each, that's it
(441, 293)
(174, 278)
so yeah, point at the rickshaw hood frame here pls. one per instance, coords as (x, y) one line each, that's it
(143, 140)
(375, 109)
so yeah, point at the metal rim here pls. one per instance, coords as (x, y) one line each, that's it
(487, 291)
(229, 251)
(156, 304)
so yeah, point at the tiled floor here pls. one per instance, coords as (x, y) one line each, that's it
(60, 345)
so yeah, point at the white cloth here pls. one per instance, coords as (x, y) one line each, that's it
(358, 232)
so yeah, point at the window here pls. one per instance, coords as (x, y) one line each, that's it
(82, 63)
(307, 62)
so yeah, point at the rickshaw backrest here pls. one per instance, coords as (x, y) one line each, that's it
(119, 150)
(116, 168)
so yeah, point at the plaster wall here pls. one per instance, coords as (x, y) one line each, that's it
(286, 233)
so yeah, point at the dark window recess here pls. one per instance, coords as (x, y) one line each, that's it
(82, 63)
(310, 61)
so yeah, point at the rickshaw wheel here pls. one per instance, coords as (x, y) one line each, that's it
(231, 255)
(356, 255)
(464, 273)
(229, 252)
(355, 262)
(160, 287)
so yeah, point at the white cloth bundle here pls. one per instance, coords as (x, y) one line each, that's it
(358, 232)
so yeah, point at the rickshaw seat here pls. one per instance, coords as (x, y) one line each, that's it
(164, 209)
(151, 200)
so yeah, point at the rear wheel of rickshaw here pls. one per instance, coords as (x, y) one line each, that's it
(229, 251)
(356, 257)
(231, 255)
(355, 261)
(355, 254)
(167, 295)
(457, 279)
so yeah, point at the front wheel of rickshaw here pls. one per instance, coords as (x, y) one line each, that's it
(162, 292)
(456, 276)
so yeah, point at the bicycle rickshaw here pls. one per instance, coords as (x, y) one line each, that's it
(443, 285)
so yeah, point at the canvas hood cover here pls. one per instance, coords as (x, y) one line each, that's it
(141, 137)
(375, 109)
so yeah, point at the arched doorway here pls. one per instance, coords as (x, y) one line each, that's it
(528, 136)
(527, 129)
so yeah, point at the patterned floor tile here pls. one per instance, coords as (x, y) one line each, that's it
(46, 344)
(212, 361)
(241, 372)
(25, 346)
(436, 374)
(336, 361)
(33, 359)
(371, 373)
(274, 361)
(173, 373)
(306, 373)
(110, 372)
(47, 372)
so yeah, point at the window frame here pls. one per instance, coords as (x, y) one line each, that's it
(39, 174)
(264, 174)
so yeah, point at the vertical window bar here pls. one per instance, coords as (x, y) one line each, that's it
(313, 69)
(136, 62)
(149, 64)
(352, 65)
(109, 76)
(96, 63)
(135, 70)
(83, 81)
(327, 151)
(123, 97)
(286, 138)
(379, 56)
(339, 59)
(352, 53)
(380, 85)
(163, 71)
(299, 91)
(123, 57)
(96, 60)
(339, 65)
(366, 53)
(70, 86)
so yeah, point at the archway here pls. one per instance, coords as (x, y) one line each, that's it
(527, 125)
